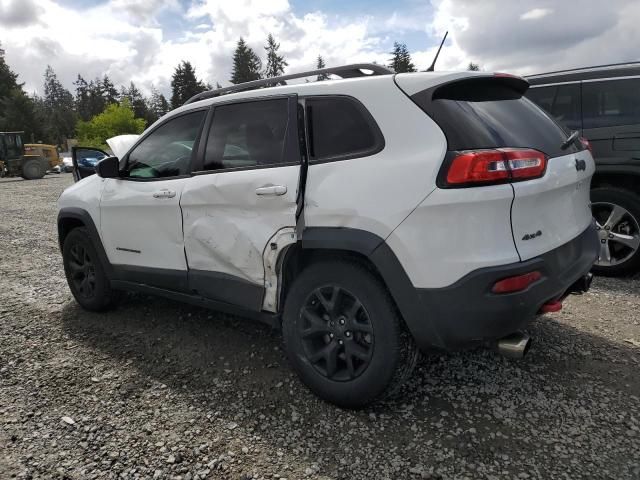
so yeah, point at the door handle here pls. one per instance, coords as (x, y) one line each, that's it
(271, 190)
(164, 194)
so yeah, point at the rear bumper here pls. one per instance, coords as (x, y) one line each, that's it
(467, 312)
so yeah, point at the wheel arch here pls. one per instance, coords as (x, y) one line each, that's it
(70, 218)
(368, 250)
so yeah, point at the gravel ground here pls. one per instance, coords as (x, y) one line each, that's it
(156, 389)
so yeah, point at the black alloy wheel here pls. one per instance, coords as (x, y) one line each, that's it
(336, 333)
(83, 272)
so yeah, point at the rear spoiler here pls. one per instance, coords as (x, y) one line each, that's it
(479, 88)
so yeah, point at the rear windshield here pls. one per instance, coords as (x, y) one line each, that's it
(487, 113)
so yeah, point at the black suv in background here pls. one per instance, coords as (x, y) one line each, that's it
(603, 103)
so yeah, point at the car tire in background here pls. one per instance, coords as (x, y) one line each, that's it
(32, 169)
(343, 334)
(85, 273)
(617, 215)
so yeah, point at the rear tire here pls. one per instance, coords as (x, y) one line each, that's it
(32, 169)
(85, 273)
(344, 336)
(622, 227)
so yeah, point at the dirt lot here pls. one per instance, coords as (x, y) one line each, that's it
(157, 389)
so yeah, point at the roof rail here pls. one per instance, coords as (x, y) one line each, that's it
(582, 69)
(344, 71)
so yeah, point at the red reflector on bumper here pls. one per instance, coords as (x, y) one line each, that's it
(552, 306)
(517, 283)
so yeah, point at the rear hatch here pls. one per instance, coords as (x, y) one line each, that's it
(488, 117)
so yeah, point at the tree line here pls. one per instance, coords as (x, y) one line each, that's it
(58, 114)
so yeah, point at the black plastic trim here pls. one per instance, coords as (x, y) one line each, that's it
(388, 266)
(465, 312)
(485, 316)
(175, 280)
(226, 288)
(270, 319)
(81, 215)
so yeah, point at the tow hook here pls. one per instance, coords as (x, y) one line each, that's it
(551, 306)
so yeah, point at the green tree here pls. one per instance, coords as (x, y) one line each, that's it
(157, 105)
(246, 64)
(473, 67)
(136, 100)
(185, 84)
(117, 119)
(59, 109)
(320, 64)
(8, 79)
(275, 63)
(401, 62)
(17, 110)
(109, 91)
(82, 98)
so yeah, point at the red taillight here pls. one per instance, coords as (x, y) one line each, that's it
(500, 165)
(586, 144)
(517, 283)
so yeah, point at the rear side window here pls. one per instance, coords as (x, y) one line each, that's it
(561, 101)
(610, 103)
(248, 134)
(483, 113)
(340, 128)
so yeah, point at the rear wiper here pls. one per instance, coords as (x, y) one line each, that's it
(573, 138)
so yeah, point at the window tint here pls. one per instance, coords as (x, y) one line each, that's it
(484, 113)
(247, 135)
(166, 152)
(614, 102)
(340, 127)
(562, 101)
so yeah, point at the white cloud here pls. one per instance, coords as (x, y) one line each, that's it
(127, 39)
(18, 13)
(536, 14)
(490, 33)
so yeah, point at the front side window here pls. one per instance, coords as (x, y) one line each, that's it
(248, 134)
(610, 103)
(340, 127)
(166, 152)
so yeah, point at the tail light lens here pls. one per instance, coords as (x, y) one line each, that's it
(502, 165)
(586, 144)
(517, 283)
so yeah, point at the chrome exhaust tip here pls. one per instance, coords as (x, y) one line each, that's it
(515, 345)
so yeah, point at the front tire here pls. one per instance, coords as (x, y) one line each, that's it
(617, 215)
(343, 335)
(85, 273)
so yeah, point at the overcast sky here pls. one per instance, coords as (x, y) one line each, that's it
(143, 40)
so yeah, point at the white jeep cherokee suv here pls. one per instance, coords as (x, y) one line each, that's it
(368, 218)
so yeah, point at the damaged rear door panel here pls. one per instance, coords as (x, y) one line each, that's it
(243, 191)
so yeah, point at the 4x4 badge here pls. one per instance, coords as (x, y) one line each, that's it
(580, 165)
(531, 236)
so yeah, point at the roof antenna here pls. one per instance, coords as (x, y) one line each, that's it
(433, 64)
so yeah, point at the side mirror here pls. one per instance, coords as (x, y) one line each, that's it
(108, 167)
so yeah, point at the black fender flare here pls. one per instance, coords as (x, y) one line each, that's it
(393, 274)
(79, 215)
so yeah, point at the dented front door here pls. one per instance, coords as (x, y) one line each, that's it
(244, 192)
